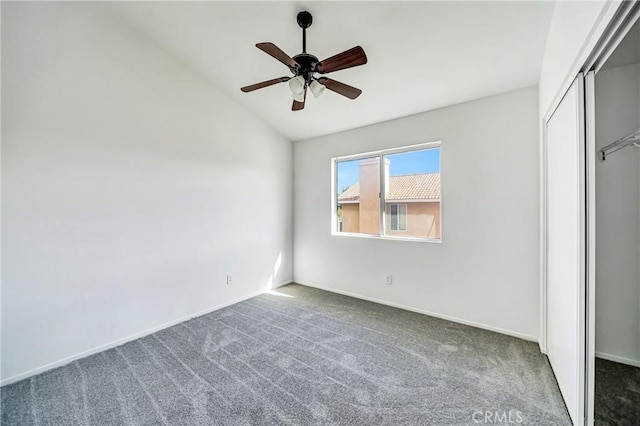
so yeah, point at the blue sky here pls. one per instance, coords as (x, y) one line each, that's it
(404, 163)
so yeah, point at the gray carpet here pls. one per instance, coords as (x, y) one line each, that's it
(617, 395)
(312, 358)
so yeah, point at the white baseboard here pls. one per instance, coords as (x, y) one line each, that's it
(543, 349)
(615, 358)
(127, 339)
(429, 313)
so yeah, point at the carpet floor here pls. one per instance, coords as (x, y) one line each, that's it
(299, 356)
(617, 394)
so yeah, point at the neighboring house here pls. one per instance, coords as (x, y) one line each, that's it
(412, 203)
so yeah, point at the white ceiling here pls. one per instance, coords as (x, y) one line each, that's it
(422, 55)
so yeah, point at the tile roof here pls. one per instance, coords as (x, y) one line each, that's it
(423, 186)
(352, 193)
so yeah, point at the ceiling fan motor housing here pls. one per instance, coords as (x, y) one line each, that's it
(307, 63)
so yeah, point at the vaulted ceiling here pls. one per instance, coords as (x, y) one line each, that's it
(422, 55)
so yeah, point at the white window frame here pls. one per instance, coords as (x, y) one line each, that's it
(380, 154)
(398, 205)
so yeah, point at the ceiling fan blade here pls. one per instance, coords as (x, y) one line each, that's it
(297, 106)
(340, 88)
(264, 84)
(276, 52)
(347, 59)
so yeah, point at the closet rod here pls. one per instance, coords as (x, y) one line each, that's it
(630, 139)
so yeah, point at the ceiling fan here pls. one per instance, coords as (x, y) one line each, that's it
(305, 66)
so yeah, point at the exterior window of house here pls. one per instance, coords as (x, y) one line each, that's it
(398, 217)
(393, 193)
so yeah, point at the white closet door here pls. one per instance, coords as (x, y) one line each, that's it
(565, 247)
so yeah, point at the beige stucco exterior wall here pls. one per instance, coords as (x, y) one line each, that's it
(369, 196)
(423, 220)
(351, 217)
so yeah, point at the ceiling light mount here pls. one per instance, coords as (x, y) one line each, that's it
(304, 19)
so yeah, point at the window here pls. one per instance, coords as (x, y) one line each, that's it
(392, 193)
(398, 217)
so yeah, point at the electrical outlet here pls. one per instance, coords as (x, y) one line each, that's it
(229, 279)
(389, 280)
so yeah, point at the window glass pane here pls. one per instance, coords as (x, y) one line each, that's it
(402, 217)
(394, 217)
(412, 193)
(358, 196)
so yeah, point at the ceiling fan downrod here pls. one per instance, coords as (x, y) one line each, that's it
(306, 61)
(305, 20)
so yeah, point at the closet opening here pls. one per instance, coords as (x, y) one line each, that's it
(616, 116)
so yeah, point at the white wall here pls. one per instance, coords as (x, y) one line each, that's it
(130, 188)
(574, 31)
(618, 217)
(485, 271)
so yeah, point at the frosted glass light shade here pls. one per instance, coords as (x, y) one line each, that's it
(316, 88)
(298, 96)
(296, 84)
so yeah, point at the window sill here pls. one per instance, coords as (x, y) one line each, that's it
(386, 237)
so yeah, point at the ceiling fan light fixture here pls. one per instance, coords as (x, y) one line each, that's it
(296, 85)
(304, 67)
(316, 88)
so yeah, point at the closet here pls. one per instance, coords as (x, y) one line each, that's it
(590, 230)
(617, 234)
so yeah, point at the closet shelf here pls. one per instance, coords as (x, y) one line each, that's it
(623, 142)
